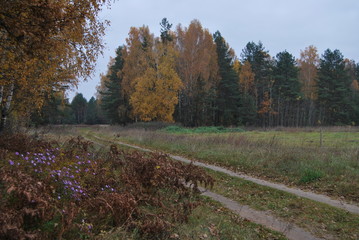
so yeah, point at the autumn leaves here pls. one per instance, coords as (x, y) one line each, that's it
(149, 77)
(159, 72)
(45, 46)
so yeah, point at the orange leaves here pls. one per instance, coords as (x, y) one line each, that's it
(266, 106)
(138, 56)
(197, 56)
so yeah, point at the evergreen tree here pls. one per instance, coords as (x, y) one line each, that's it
(91, 112)
(113, 103)
(333, 89)
(260, 62)
(286, 89)
(228, 89)
(55, 110)
(165, 31)
(79, 105)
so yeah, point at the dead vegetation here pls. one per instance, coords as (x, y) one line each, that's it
(70, 191)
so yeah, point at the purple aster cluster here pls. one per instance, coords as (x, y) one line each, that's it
(65, 174)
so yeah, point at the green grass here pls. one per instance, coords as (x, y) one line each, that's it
(317, 218)
(210, 221)
(330, 170)
(298, 138)
(212, 129)
(320, 219)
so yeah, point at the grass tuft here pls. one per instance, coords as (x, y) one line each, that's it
(311, 175)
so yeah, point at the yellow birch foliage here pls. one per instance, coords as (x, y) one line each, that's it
(138, 56)
(237, 66)
(46, 45)
(156, 91)
(197, 57)
(308, 64)
(246, 79)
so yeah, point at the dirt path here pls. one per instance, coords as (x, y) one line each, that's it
(290, 230)
(305, 194)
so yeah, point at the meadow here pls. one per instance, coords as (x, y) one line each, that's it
(150, 202)
(295, 157)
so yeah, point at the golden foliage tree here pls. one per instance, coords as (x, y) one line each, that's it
(156, 91)
(198, 69)
(138, 55)
(45, 45)
(308, 64)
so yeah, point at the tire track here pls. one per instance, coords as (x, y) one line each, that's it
(296, 191)
(290, 230)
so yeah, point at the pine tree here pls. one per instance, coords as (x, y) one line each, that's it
(166, 31)
(113, 102)
(334, 89)
(260, 62)
(286, 89)
(79, 105)
(91, 112)
(228, 89)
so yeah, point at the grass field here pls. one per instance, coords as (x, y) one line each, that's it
(283, 156)
(210, 220)
(276, 155)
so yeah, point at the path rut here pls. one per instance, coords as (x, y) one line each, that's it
(305, 194)
(291, 231)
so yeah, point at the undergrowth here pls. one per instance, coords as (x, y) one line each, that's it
(53, 191)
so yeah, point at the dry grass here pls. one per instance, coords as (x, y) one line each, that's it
(333, 169)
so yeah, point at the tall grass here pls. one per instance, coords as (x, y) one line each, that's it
(333, 169)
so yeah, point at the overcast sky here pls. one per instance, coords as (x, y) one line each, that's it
(281, 25)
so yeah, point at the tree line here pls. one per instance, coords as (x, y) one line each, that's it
(193, 77)
(187, 75)
(57, 109)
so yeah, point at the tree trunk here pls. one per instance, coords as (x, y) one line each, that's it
(6, 107)
(1, 94)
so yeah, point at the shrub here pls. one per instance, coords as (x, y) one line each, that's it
(72, 192)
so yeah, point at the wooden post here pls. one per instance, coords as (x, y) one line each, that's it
(321, 137)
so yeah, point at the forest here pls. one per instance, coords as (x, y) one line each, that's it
(195, 78)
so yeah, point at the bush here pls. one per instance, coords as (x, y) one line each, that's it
(72, 192)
